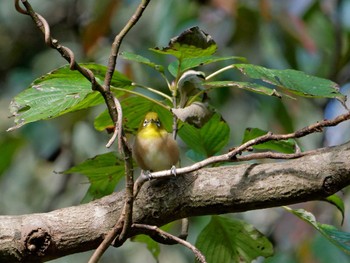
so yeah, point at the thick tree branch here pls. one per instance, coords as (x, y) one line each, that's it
(227, 189)
(232, 155)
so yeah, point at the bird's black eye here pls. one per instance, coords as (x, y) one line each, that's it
(158, 123)
(145, 122)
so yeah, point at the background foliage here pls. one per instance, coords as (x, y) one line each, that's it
(311, 36)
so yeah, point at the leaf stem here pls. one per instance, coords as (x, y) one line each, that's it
(143, 96)
(219, 71)
(153, 90)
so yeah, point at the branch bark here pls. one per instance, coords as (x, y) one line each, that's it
(226, 189)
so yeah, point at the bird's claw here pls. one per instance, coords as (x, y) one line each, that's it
(173, 170)
(146, 174)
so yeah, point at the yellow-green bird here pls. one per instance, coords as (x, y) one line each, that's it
(154, 148)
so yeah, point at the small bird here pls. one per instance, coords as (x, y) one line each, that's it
(154, 148)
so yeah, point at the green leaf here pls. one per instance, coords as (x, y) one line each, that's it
(142, 60)
(337, 237)
(134, 109)
(338, 202)
(191, 43)
(232, 240)
(294, 81)
(284, 146)
(189, 63)
(103, 121)
(103, 171)
(59, 92)
(209, 139)
(243, 85)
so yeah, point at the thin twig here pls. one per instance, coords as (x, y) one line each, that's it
(118, 40)
(184, 228)
(129, 191)
(114, 109)
(153, 230)
(66, 53)
(118, 127)
(112, 104)
(232, 155)
(126, 217)
(106, 242)
(272, 155)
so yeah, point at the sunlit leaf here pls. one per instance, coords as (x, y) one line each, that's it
(191, 43)
(339, 203)
(284, 146)
(142, 60)
(231, 240)
(337, 237)
(59, 92)
(294, 81)
(103, 171)
(209, 139)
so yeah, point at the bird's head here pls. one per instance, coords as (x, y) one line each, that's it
(151, 121)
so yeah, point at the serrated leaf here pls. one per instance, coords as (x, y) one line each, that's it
(338, 202)
(339, 238)
(284, 146)
(231, 240)
(59, 92)
(243, 85)
(191, 43)
(294, 81)
(134, 109)
(142, 60)
(209, 139)
(103, 171)
(189, 63)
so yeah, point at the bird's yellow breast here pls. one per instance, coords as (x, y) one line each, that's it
(151, 131)
(154, 148)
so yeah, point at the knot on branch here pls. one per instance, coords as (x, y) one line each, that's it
(37, 241)
(329, 185)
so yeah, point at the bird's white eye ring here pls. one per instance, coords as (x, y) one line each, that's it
(158, 123)
(145, 123)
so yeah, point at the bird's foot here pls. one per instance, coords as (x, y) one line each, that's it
(146, 174)
(173, 170)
